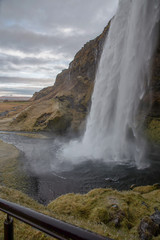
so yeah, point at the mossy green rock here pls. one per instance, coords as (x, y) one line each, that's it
(109, 212)
(125, 215)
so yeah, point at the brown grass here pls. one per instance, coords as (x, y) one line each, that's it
(14, 107)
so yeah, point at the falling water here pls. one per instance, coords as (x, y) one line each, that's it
(113, 132)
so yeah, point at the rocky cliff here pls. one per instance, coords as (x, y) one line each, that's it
(153, 118)
(65, 105)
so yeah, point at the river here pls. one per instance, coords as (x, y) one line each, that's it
(45, 178)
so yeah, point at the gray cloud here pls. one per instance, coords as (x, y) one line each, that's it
(13, 91)
(31, 81)
(22, 86)
(6, 59)
(17, 38)
(22, 61)
(38, 14)
(40, 37)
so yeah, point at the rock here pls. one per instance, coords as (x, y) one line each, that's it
(132, 186)
(117, 222)
(156, 217)
(116, 215)
(146, 189)
(157, 185)
(2, 114)
(149, 226)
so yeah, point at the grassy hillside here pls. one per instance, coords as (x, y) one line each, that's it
(118, 215)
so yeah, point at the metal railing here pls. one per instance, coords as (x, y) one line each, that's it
(51, 226)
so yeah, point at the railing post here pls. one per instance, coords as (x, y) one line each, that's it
(8, 228)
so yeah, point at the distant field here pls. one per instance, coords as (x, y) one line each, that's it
(12, 99)
(12, 108)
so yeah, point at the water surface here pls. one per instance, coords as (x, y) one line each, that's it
(45, 178)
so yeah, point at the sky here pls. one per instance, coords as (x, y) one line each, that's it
(39, 38)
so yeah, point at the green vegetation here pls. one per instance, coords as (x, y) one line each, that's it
(108, 212)
(153, 130)
(105, 211)
(10, 173)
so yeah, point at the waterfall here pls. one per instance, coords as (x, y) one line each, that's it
(113, 130)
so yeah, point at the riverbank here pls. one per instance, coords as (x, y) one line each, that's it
(11, 173)
(120, 215)
(8, 163)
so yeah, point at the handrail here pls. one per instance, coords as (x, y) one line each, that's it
(46, 224)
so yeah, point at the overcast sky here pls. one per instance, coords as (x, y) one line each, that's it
(38, 38)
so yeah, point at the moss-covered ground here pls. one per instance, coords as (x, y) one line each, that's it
(109, 212)
(153, 130)
(105, 211)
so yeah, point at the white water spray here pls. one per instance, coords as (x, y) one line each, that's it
(112, 131)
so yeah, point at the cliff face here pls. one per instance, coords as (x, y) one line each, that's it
(65, 105)
(153, 119)
(81, 70)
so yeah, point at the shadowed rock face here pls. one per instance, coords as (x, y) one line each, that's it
(65, 105)
(153, 118)
(155, 86)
